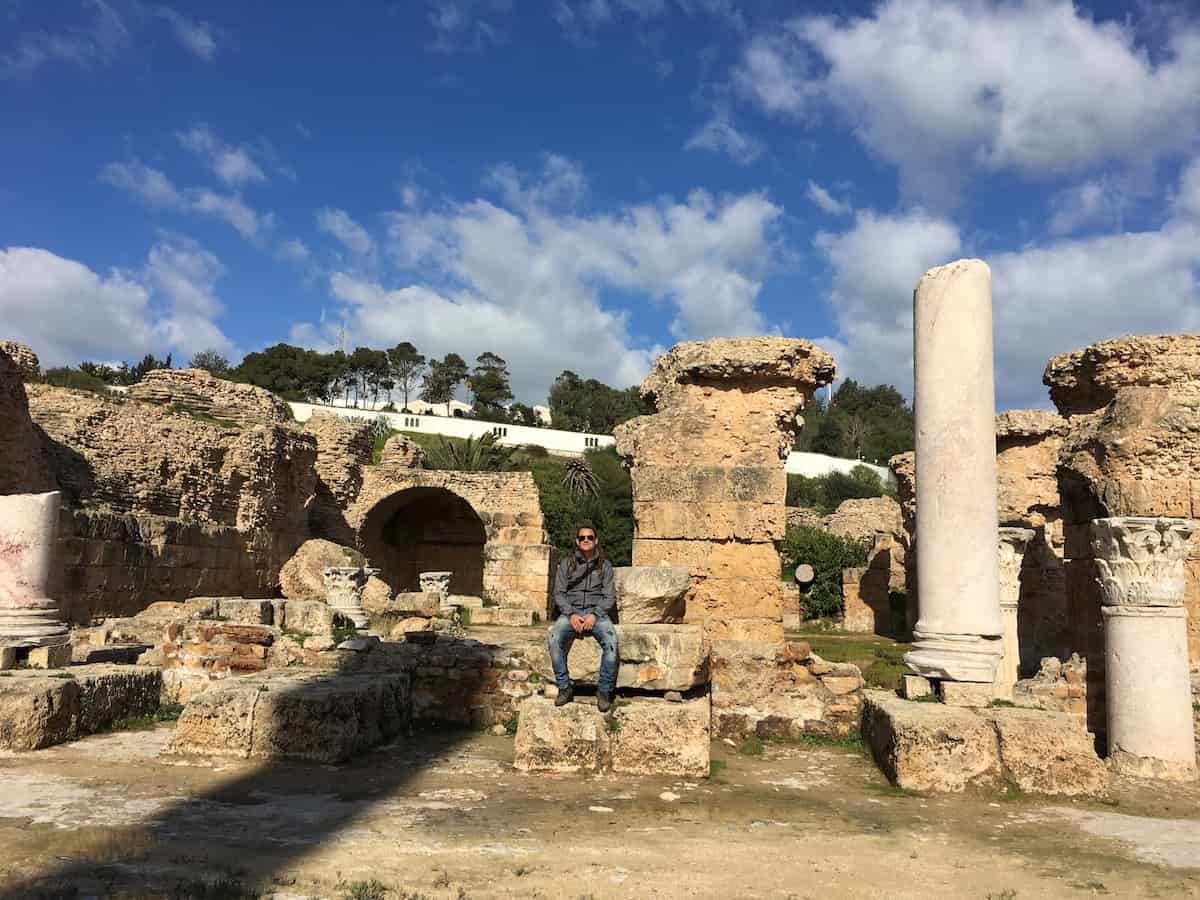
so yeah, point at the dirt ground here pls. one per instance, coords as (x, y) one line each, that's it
(445, 816)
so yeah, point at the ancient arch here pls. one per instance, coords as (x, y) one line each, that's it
(424, 529)
(486, 527)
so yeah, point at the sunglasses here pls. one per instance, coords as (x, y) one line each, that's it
(585, 537)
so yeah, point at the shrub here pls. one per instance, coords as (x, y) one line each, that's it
(828, 554)
(65, 377)
(825, 493)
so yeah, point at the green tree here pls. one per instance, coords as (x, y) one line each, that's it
(520, 414)
(444, 377)
(828, 554)
(482, 454)
(367, 369)
(580, 480)
(292, 372)
(407, 368)
(591, 406)
(489, 383)
(211, 361)
(869, 423)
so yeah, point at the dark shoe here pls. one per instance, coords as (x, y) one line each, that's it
(604, 701)
(564, 697)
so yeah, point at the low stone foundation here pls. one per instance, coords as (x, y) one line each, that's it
(40, 710)
(934, 747)
(643, 736)
(313, 717)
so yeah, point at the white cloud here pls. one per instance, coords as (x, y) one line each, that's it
(827, 201)
(1097, 201)
(561, 184)
(1187, 199)
(233, 164)
(293, 250)
(69, 313)
(97, 40)
(1047, 299)
(940, 88)
(528, 279)
(196, 36)
(351, 235)
(720, 135)
(156, 189)
(467, 24)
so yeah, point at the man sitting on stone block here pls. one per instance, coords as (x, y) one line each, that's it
(584, 595)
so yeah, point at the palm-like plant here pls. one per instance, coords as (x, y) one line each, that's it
(481, 454)
(580, 480)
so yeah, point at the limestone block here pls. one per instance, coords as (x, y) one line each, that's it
(709, 559)
(572, 739)
(55, 656)
(752, 630)
(37, 712)
(312, 617)
(302, 577)
(287, 716)
(108, 693)
(721, 521)
(652, 657)
(966, 693)
(650, 594)
(737, 598)
(246, 612)
(502, 615)
(416, 603)
(376, 595)
(711, 484)
(411, 625)
(914, 686)
(467, 600)
(1047, 753)
(930, 746)
(652, 736)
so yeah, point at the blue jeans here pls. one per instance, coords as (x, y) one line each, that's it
(562, 636)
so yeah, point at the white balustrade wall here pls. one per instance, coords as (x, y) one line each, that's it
(561, 443)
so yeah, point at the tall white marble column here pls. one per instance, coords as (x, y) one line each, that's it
(28, 528)
(1013, 543)
(1148, 693)
(958, 635)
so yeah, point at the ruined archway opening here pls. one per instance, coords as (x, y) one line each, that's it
(425, 529)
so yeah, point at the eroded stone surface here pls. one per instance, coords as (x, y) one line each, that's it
(303, 576)
(650, 594)
(652, 657)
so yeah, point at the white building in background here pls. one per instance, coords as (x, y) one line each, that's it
(560, 443)
(458, 409)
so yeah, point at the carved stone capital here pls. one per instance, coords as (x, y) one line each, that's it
(1140, 560)
(1013, 543)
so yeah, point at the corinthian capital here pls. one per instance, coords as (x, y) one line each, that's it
(1140, 559)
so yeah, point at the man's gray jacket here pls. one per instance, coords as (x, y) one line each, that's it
(587, 590)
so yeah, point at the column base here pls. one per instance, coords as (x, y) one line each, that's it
(955, 657)
(33, 626)
(1136, 766)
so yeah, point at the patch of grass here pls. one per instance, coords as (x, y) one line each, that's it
(999, 702)
(716, 767)
(925, 698)
(888, 789)
(852, 742)
(510, 726)
(66, 676)
(613, 724)
(534, 678)
(262, 689)
(344, 633)
(881, 659)
(216, 618)
(298, 636)
(464, 615)
(365, 890)
(751, 746)
(186, 409)
(1008, 894)
(168, 712)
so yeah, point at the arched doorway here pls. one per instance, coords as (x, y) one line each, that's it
(425, 529)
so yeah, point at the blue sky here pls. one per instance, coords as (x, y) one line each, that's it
(581, 183)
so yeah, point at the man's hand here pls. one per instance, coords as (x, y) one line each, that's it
(589, 622)
(577, 622)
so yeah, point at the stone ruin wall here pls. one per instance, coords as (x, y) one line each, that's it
(1132, 448)
(513, 565)
(709, 490)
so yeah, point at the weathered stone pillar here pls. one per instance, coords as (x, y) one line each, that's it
(1013, 542)
(709, 490)
(958, 635)
(28, 526)
(1140, 561)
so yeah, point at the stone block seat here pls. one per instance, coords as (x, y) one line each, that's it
(642, 736)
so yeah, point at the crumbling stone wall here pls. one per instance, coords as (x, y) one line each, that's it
(22, 468)
(709, 488)
(161, 505)
(28, 364)
(490, 521)
(197, 391)
(1132, 448)
(343, 451)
